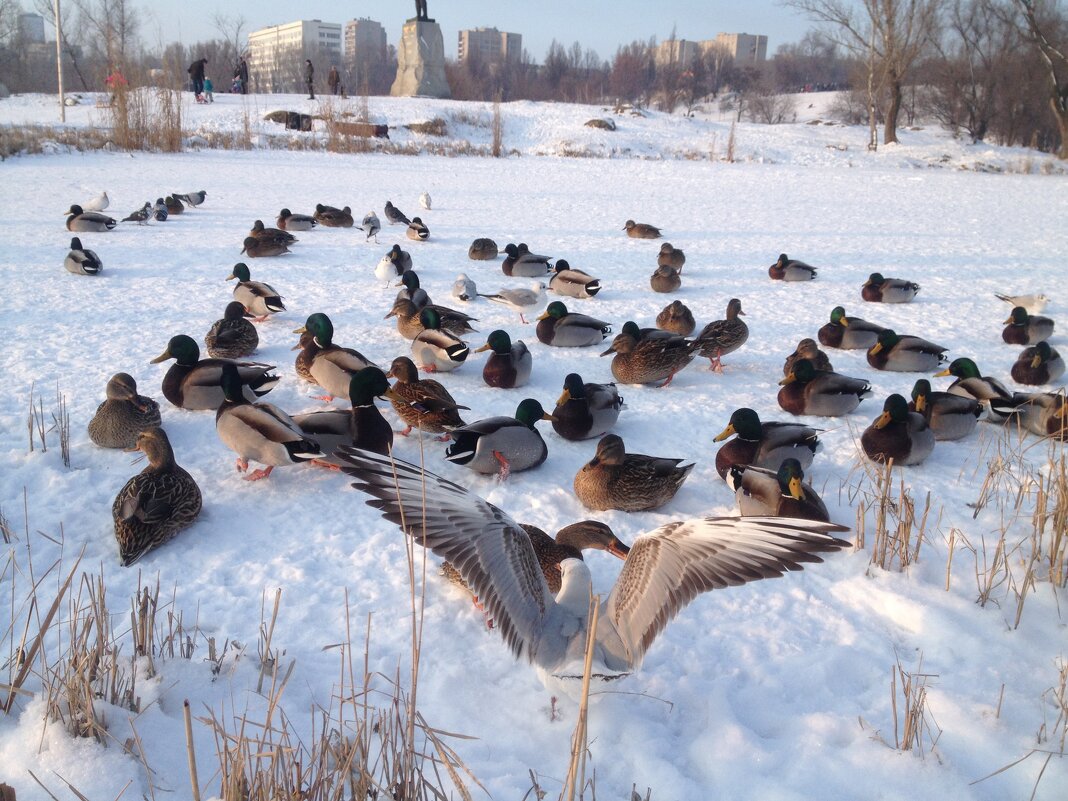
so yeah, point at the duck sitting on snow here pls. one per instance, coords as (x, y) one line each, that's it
(123, 415)
(898, 434)
(82, 261)
(259, 299)
(630, 482)
(776, 493)
(195, 383)
(557, 326)
(501, 445)
(88, 221)
(326, 364)
(509, 366)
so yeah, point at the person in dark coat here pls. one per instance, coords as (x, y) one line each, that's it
(242, 70)
(196, 74)
(309, 74)
(333, 80)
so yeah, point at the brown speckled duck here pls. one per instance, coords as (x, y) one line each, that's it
(677, 318)
(807, 349)
(121, 418)
(641, 230)
(232, 337)
(630, 482)
(651, 360)
(424, 403)
(721, 337)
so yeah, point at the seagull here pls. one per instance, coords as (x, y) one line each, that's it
(424, 200)
(464, 288)
(387, 270)
(98, 203)
(371, 225)
(666, 568)
(520, 300)
(1033, 304)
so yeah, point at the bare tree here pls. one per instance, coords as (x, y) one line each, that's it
(1047, 31)
(110, 28)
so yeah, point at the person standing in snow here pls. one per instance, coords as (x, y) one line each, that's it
(333, 80)
(242, 73)
(208, 88)
(196, 73)
(309, 75)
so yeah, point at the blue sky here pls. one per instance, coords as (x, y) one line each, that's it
(598, 24)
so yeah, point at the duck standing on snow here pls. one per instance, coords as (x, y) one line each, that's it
(80, 260)
(787, 269)
(762, 444)
(807, 390)
(898, 434)
(948, 416)
(363, 426)
(1037, 365)
(776, 493)
(509, 366)
(258, 298)
(328, 365)
(123, 415)
(557, 326)
(232, 337)
(677, 318)
(88, 221)
(1026, 329)
(721, 337)
(905, 354)
(572, 283)
(194, 383)
(288, 221)
(423, 402)
(641, 230)
(630, 482)
(848, 333)
(520, 300)
(888, 290)
(584, 411)
(501, 445)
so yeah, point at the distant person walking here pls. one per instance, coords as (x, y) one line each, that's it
(309, 77)
(196, 74)
(208, 91)
(333, 80)
(242, 73)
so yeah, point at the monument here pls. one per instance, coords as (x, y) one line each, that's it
(421, 58)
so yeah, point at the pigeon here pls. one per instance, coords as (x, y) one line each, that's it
(100, 202)
(371, 225)
(159, 211)
(193, 198)
(464, 288)
(520, 300)
(424, 200)
(395, 215)
(141, 215)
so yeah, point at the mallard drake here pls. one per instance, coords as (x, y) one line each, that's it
(721, 337)
(807, 349)
(258, 298)
(157, 503)
(194, 199)
(521, 263)
(556, 326)
(671, 257)
(259, 248)
(434, 349)
(410, 290)
(260, 432)
(888, 290)
(417, 230)
(666, 568)
(330, 366)
(787, 269)
(572, 283)
(501, 445)
(630, 482)
(141, 216)
(401, 259)
(971, 384)
(849, 333)
(665, 279)
(820, 393)
(776, 493)
(194, 383)
(88, 221)
(1032, 304)
(650, 360)
(677, 318)
(410, 321)
(509, 366)
(641, 230)
(898, 434)
(1044, 414)
(371, 225)
(395, 215)
(482, 249)
(1037, 365)
(264, 234)
(584, 411)
(948, 416)
(123, 415)
(98, 203)
(763, 444)
(423, 402)
(159, 211)
(232, 337)
(82, 261)
(1026, 329)
(331, 217)
(288, 221)
(173, 204)
(363, 426)
(905, 354)
(520, 300)
(463, 288)
(641, 334)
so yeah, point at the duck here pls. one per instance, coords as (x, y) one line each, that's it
(423, 402)
(232, 337)
(820, 393)
(721, 337)
(371, 225)
(563, 329)
(331, 217)
(362, 426)
(787, 269)
(434, 349)
(807, 349)
(665, 279)
(850, 333)
(898, 434)
(277, 235)
(98, 203)
(501, 445)
(763, 444)
(260, 248)
(417, 230)
(888, 290)
(509, 366)
(259, 299)
(141, 215)
(259, 432)
(81, 260)
(1039, 364)
(521, 263)
(776, 493)
(288, 221)
(157, 503)
(585, 410)
(401, 259)
(948, 416)
(173, 204)
(1033, 304)
(482, 249)
(670, 256)
(1026, 329)
(629, 482)
(194, 199)
(395, 215)
(641, 230)
(330, 366)
(665, 569)
(905, 354)
(88, 221)
(424, 200)
(159, 210)
(123, 415)
(1044, 414)
(641, 334)
(194, 383)
(463, 288)
(520, 300)
(651, 360)
(409, 281)
(569, 282)
(677, 318)
(410, 322)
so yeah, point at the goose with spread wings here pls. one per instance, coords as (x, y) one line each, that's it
(665, 570)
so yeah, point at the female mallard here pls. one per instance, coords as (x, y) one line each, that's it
(584, 411)
(521, 263)
(888, 290)
(898, 434)
(721, 337)
(1026, 329)
(331, 217)
(787, 269)
(671, 257)
(194, 383)
(641, 230)
(819, 392)
(520, 300)
(1037, 365)
(422, 403)
(123, 415)
(807, 349)
(262, 248)
(288, 221)
(410, 321)
(232, 337)
(260, 432)
(665, 279)
(482, 249)
(650, 360)
(763, 444)
(509, 366)
(417, 230)
(630, 482)
(948, 416)
(276, 235)
(849, 333)
(677, 318)
(501, 445)
(905, 354)
(258, 298)
(155, 504)
(572, 283)
(330, 366)
(363, 426)
(776, 493)
(434, 349)
(82, 261)
(88, 221)
(174, 205)
(971, 384)
(556, 326)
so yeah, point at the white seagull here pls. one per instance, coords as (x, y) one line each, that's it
(1033, 304)
(98, 203)
(464, 288)
(520, 300)
(424, 200)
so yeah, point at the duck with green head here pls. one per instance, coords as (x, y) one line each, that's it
(776, 493)
(807, 390)
(434, 349)
(258, 298)
(1022, 328)
(787, 269)
(195, 383)
(848, 333)
(330, 366)
(898, 434)
(763, 444)
(501, 445)
(410, 321)
(563, 329)
(949, 416)
(585, 410)
(509, 366)
(878, 289)
(905, 354)
(971, 383)
(1037, 365)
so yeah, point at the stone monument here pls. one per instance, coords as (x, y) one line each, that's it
(421, 58)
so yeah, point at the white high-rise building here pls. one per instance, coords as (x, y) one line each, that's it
(744, 48)
(366, 48)
(277, 55)
(489, 45)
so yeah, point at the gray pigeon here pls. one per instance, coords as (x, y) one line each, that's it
(464, 288)
(395, 215)
(371, 225)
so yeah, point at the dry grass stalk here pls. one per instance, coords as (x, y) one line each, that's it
(61, 423)
(899, 532)
(731, 144)
(916, 723)
(576, 773)
(36, 420)
(268, 660)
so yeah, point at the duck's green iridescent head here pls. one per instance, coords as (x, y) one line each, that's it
(961, 368)
(895, 410)
(1019, 316)
(320, 327)
(556, 310)
(574, 388)
(499, 342)
(921, 391)
(875, 279)
(181, 348)
(838, 316)
(631, 329)
(430, 319)
(530, 411)
(745, 423)
(790, 475)
(366, 385)
(240, 272)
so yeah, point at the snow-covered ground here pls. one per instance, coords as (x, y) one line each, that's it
(777, 690)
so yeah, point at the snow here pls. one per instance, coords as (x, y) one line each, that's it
(776, 690)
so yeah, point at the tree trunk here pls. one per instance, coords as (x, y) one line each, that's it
(1060, 112)
(890, 128)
